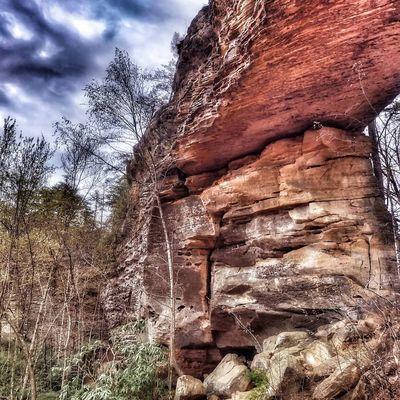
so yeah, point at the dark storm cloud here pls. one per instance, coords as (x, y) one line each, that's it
(73, 56)
(3, 27)
(115, 11)
(4, 100)
(49, 50)
(20, 57)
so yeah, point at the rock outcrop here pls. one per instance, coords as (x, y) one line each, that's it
(253, 71)
(275, 217)
(319, 366)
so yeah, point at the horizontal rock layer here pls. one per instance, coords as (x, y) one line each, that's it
(299, 240)
(253, 71)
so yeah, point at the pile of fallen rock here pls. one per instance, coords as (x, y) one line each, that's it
(335, 362)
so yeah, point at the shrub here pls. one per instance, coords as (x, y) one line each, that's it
(6, 371)
(132, 374)
(260, 381)
(48, 396)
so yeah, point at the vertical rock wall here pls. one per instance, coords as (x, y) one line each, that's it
(276, 220)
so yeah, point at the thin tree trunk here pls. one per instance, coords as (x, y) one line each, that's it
(12, 380)
(28, 358)
(376, 160)
(36, 328)
(172, 358)
(395, 235)
(66, 350)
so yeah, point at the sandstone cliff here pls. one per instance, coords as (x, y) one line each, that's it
(276, 220)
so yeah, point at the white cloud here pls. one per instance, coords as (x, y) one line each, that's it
(148, 43)
(15, 93)
(86, 27)
(16, 28)
(48, 50)
(187, 9)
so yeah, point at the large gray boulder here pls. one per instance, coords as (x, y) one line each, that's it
(189, 388)
(230, 376)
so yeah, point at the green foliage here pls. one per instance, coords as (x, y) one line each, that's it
(63, 203)
(6, 370)
(260, 381)
(45, 383)
(133, 372)
(48, 396)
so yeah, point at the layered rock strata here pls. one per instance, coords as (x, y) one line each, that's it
(273, 211)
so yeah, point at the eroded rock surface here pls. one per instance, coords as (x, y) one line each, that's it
(276, 220)
(189, 388)
(253, 71)
(303, 365)
(230, 376)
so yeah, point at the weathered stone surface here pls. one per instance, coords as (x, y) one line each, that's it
(230, 376)
(289, 171)
(282, 361)
(254, 71)
(341, 381)
(285, 369)
(198, 362)
(276, 220)
(306, 239)
(317, 354)
(242, 396)
(189, 388)
(298, 365)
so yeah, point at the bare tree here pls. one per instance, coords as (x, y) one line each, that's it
(385, 135)
(8, 146)
(125, 101)
(25, 167)
(123, 105)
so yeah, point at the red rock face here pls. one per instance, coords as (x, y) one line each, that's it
(302, 229)
(276, 67)
(275, 226)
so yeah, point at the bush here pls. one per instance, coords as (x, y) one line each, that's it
(132, 374)
(260, 381)
(48, 396)
(44, 382)
(6, 371)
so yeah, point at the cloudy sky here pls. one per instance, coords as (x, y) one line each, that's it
(49, 49)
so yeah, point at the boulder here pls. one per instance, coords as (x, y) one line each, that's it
(262, 361)
(230, 376)
(317, 354)
(286, 340)
(344, 378)
(243, 396)
(285, 344)
(269, 345)
(282, 369)
(296, 340)
(189, 388)
(285, 369)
